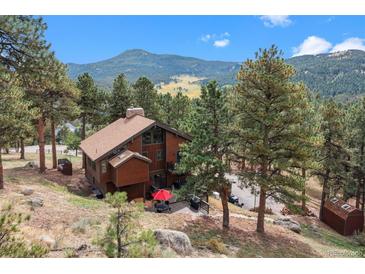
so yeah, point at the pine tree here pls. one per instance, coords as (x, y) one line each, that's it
(355, 129)
(333, 156)
(173, 109)
(22, 43)
(165, 103)
(44, 91)
(121, 98)
(87, 103)
(62, 107)
(121, 238)
(145, 96)
(270, 110)
(205, 156)
(15, 115)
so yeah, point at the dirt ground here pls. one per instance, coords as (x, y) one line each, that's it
(74, 220)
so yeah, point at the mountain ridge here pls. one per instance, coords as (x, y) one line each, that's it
(330, 74)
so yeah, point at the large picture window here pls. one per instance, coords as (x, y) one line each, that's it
(153, 136)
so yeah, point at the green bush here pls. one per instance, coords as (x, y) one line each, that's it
(217, 246)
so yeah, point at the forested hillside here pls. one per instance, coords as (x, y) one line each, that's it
(331, 74)
(157, 67)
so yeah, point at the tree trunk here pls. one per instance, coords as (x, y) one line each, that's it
(363, 179)
(261, 211)
(7, 150)
(358, 193)
(119, 240)
(41, 144)
(324, 194)
(53, 141)
(22, 150)
(83, 135)
(303, 193)
(1, 172)
(17, 147)
(224, 198)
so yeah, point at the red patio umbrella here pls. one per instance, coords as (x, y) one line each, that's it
(162, 195)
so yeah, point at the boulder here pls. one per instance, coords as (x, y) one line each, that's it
(35, 202)
(289, 224)
(31, 165)
(27, 191)
(48, 241)
(176, 240)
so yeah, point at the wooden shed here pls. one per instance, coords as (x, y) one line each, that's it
(342, 217)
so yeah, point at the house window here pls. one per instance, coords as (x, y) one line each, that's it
(157, 135)
(153, 136)
(103, 166)
(159, 155)
(146, 138)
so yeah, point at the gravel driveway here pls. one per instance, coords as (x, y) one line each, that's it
(245, 196)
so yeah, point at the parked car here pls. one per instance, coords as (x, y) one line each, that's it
(233, 199)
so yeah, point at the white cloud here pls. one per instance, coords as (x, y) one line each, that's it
(350, 43)
(312, 45)
(272, 21)
(221, 43)
(210, 36)
(206, 37)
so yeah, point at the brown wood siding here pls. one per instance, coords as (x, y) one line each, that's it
(152, 155)
(136, 145)
(172, 146)
(106, 177)
(132, 172)
(134, 191)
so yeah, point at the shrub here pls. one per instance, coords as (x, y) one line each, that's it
(217, 246)
(11, 243)
(359, 239)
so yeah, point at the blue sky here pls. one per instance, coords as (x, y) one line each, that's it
(86, 39)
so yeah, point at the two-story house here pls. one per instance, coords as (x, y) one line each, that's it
(132, 154)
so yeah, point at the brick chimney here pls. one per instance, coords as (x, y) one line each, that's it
(134, 111)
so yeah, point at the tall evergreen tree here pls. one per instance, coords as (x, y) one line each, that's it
(22, 43)
(355, 129)
(205, 156)
(121, 98)
(145, 96)
(15, 115)
(173, 109)
(268, 128)
(87, 102)
(332, 154)
(63, 98)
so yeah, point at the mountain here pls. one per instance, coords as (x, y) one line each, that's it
(332, 74)
(157, 67)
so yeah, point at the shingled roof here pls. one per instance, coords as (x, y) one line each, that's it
(114, 135)
(118, 133)
(125, 156)
(339, 207)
